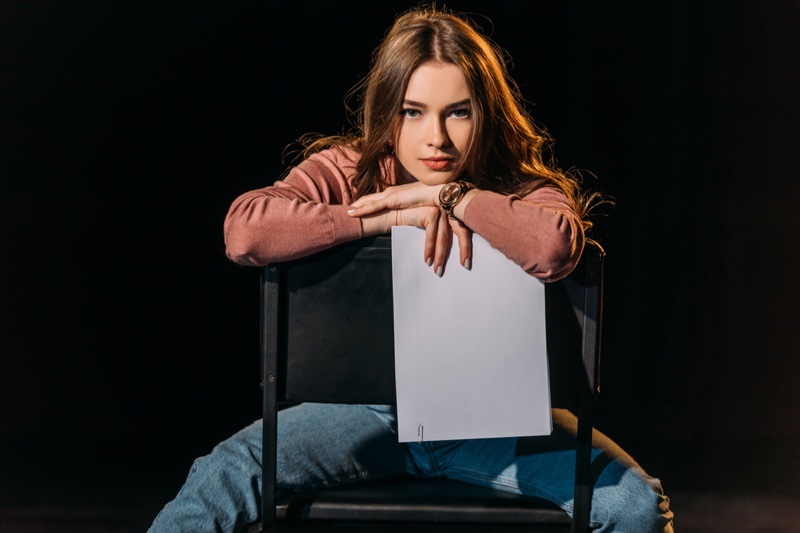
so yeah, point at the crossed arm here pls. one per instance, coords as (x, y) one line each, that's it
(416, 204)
(311, 210)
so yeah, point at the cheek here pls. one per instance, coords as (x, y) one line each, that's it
(403, 153)
(404, 147)
(461, 135)
(404, 137)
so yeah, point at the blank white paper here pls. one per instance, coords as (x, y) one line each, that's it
(470, 346)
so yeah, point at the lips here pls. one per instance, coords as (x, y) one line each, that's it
(436, 163)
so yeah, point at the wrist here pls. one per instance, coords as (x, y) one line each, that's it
(437, 191)
(451, 194)
(379, 223)
(460, 209)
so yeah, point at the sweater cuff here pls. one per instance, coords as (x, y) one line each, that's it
(345, 227)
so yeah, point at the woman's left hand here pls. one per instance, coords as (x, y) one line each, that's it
(439, 231)
(414, 194)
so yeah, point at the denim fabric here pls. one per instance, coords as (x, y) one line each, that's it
(324, 445)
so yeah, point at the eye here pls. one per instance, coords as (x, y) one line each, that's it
(462, 112)
(410, 112)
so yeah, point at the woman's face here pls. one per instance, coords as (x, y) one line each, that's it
(435, 124)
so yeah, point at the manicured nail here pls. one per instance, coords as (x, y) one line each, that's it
(468, 263)
(429, 261)
(439, 271)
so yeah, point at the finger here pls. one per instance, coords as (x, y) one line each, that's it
(443, 234)
(367, 198)
(464, 236)
(430, 240)
(367, 208)
(361, 210)
(395, 197)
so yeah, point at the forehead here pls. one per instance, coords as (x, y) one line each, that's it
(436, 82)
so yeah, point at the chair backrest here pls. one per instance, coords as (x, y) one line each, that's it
(327, 336)
(344, 297)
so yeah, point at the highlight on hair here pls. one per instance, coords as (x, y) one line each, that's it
(506, 152)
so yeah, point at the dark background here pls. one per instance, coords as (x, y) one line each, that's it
(128, 342)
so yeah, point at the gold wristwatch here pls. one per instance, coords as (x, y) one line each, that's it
(451, 194)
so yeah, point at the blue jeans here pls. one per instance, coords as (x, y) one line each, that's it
(324, 445)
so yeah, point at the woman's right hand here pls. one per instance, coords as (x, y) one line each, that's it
(439, 230)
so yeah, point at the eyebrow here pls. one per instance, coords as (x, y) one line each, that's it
(460, 103)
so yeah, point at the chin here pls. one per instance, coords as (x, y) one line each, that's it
(436, 178)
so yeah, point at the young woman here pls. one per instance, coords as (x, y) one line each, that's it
(442, 143)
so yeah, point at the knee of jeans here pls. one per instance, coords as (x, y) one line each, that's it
(238, 448)
(632, 502)
(647, 515)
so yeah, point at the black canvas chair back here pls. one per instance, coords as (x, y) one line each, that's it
(327, 336)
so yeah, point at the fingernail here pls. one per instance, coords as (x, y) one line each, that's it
(468, 263)
(429, 261)
(439, 271)
(351, 211)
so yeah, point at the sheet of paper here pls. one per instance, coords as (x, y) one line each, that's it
(470, 346)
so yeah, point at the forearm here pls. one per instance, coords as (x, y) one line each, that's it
(261, 229)
(542, 233)
(300, 215)
(379, 223)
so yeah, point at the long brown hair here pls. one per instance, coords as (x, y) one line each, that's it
(506, 150)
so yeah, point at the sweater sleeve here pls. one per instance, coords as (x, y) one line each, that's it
(304, 213)
(540, 232)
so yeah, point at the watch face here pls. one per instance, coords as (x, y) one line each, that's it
(449, 192)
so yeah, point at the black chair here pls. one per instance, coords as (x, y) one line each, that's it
(347, 357)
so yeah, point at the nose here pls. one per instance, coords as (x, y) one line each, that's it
(437, 133)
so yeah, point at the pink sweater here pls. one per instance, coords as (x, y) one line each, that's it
(307, 212)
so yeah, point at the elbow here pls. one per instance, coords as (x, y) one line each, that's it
(241, 245)
(561, 254)
(556, 266)
(241, 250)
